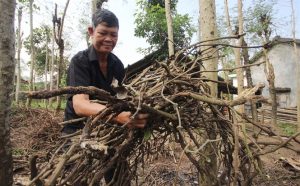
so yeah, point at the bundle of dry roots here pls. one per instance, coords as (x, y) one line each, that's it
(178, 100)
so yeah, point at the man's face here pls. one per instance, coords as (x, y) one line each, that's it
(104, 38)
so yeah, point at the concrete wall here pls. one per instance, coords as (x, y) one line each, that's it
(283, 58)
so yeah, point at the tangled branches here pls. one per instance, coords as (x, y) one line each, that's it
(181, 109)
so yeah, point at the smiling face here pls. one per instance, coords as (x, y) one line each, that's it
(104, 38)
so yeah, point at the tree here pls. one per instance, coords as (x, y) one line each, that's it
(265, 20)
(58, 24)
(97, 4)
(52, 61)
(19, 47)
(298, 64)
(46, 65)
(170, 27)
(237, 52)
(7, 67)
(150, 20)
(40, 39)
(254, 26)
(28, 103)
(208, 32)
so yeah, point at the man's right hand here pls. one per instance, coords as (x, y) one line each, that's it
(84, 107)
(125, 118)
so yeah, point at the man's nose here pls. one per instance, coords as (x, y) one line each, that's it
(108, 38)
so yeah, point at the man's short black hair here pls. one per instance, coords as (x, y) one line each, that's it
(104, 15)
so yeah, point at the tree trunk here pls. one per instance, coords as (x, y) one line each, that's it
(59, 72)
(240, 82)
(270, 75)
(249, 79)
(97, 4)
(237, 52)
(297, 64)
(46, 70)
(19, 44)
(32, 52)
(52, 63)
(60, 43)
(246, 58)
(240, 72)
(7, 68)
(170, 27)
(208, 31)
(269, 70)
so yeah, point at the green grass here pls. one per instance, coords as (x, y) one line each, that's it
(288, 128)
(41, 104)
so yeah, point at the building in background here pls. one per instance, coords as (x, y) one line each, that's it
(282, 56)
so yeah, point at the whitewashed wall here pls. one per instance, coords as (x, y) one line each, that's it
(283, 58)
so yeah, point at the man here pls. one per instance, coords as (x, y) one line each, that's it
(97, 66)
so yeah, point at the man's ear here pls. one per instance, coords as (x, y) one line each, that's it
(90, 30)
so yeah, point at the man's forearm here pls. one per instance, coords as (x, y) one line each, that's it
(87, 108)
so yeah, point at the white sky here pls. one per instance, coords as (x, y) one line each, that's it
(126, 48)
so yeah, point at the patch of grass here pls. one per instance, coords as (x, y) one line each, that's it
(35, 103)
(288, 128)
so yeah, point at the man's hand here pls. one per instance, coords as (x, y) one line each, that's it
(84, 107)
(125, 118)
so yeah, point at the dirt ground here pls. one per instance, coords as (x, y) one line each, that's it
(36, 132)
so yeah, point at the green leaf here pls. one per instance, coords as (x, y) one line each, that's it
(151, 24)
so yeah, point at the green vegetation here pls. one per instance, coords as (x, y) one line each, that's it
(41, 41)
(288, 128)
(37, 103)
(41, 104)
(151, 24)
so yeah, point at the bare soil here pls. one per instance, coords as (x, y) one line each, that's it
(36, 132)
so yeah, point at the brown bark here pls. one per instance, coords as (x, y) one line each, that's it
(7, 67)
(246, 57)
(269, 70)
(97, 4)
(59, 22)
(19, 45)
(245, 54)
(31, 80)
(297, 65)
(208, 31)
(52, 62)
(98, 93)
(237, 52)
(170, 27)
(46, 69)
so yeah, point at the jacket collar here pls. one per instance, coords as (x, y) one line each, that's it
(92, 54)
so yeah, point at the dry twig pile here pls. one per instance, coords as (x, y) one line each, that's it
(177, 98)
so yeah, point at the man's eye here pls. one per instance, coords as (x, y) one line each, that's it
(102, 33)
